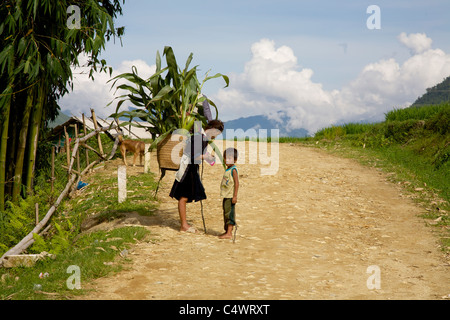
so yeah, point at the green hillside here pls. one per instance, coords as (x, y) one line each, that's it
(436, 95)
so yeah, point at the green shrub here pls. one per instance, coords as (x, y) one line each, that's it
(440, 122)
(401, 131)
(15, 223)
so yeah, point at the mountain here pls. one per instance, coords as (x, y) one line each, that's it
(243, 127)
(436, 95)
(60, 119)
(253, 127)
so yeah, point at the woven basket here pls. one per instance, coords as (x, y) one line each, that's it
(164, 151)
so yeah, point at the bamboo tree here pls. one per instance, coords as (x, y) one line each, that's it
(12, 147)
(18, 171)
(34, 34)
(33, 137)
(3, 150)
(5, 106)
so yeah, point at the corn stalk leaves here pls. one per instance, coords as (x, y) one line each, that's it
(217, 75)
(172, 101)
(218, 153)
(161, 94)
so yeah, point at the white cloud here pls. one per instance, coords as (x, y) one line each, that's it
(386, 84)
(88, 94)
(416, 42)
(272, 81)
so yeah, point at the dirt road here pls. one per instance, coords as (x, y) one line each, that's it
(322, 227)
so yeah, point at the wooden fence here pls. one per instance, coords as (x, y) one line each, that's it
(74, 176)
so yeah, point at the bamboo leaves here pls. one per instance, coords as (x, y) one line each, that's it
(6, 55)
(37, 52)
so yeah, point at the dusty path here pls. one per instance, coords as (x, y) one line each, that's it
(309, 232)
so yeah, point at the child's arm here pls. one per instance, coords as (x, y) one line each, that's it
(236, 186)
(206, 157)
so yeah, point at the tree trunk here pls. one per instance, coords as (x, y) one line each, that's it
(12, 148)
(3, 150)
(34, 137)
(4, 132)
(17, 186)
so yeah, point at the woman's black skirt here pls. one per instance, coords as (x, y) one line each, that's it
(190, 187)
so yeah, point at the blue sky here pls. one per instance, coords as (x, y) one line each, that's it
(324, 46)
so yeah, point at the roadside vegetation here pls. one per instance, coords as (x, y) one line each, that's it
(96, 253)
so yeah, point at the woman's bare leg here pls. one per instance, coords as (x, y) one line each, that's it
(182, 212)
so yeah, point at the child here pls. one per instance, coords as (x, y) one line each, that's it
(228, 191)
(187, 186)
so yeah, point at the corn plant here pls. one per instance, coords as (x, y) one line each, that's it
(169, 99)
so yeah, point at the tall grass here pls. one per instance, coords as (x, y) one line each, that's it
(397, 122)
(334, 132)
(416, 113)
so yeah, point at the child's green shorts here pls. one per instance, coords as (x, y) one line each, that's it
(229, 214)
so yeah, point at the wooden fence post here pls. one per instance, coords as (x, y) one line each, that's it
(122, 183)
(147, 158)
(78, 153)
(85, 133)
(67, 147)
(94, 118)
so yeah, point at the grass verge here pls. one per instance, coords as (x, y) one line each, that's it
(94, 254)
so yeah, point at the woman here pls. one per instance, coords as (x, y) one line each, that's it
(187, 186)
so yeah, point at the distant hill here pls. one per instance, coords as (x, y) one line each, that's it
(436, 95)
(250, 126)
(60, 119)
(242, 127)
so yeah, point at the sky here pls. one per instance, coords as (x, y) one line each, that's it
(317, 62)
